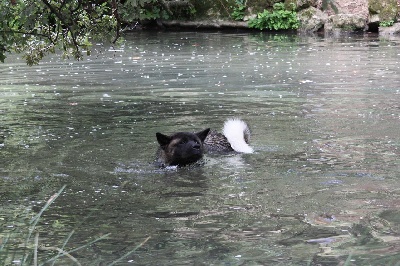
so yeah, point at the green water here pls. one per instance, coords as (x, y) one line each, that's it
(321, 188)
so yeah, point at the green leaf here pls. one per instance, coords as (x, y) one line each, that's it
(278, 19)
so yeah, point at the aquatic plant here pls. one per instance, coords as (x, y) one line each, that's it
(278, 19)
(31, 246)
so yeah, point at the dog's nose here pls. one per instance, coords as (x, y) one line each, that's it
(196, 146)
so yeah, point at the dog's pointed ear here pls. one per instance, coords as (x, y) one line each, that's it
(162, 139)
(203, 134)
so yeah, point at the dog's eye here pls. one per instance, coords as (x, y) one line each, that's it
(183, 141)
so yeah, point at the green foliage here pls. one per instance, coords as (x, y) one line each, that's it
(39, 27)
(36, 28)
(387, 23)
(278, 19)
(239, 10)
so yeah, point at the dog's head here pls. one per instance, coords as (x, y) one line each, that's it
(182, 148)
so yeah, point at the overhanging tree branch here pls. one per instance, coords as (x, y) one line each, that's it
(65, 23)
(118, 19)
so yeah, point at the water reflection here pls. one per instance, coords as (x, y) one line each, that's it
(321, 187)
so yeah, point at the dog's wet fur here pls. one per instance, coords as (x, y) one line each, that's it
(185, 148)
(181, 148)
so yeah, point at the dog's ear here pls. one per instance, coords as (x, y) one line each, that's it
(162, 139)
(203, 134)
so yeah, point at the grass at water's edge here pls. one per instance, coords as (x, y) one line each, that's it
(32, 245)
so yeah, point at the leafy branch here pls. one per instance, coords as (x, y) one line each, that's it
(39, 27)
(65, 23)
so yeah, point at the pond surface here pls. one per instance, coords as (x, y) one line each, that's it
(322, 187)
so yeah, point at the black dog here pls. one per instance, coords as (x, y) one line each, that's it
(185, 148)
(181, 148)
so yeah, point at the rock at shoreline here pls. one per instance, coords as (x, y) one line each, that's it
(331, 17)
(311, 19)
(345, 23)
(392, 30)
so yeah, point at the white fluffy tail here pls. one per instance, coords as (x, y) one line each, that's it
(238, 133)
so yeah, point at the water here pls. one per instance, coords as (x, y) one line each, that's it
(321, 188)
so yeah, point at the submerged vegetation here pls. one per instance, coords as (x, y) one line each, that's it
(26, 240)
(323, 183)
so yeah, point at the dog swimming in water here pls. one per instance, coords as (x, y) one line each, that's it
(184, 148)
